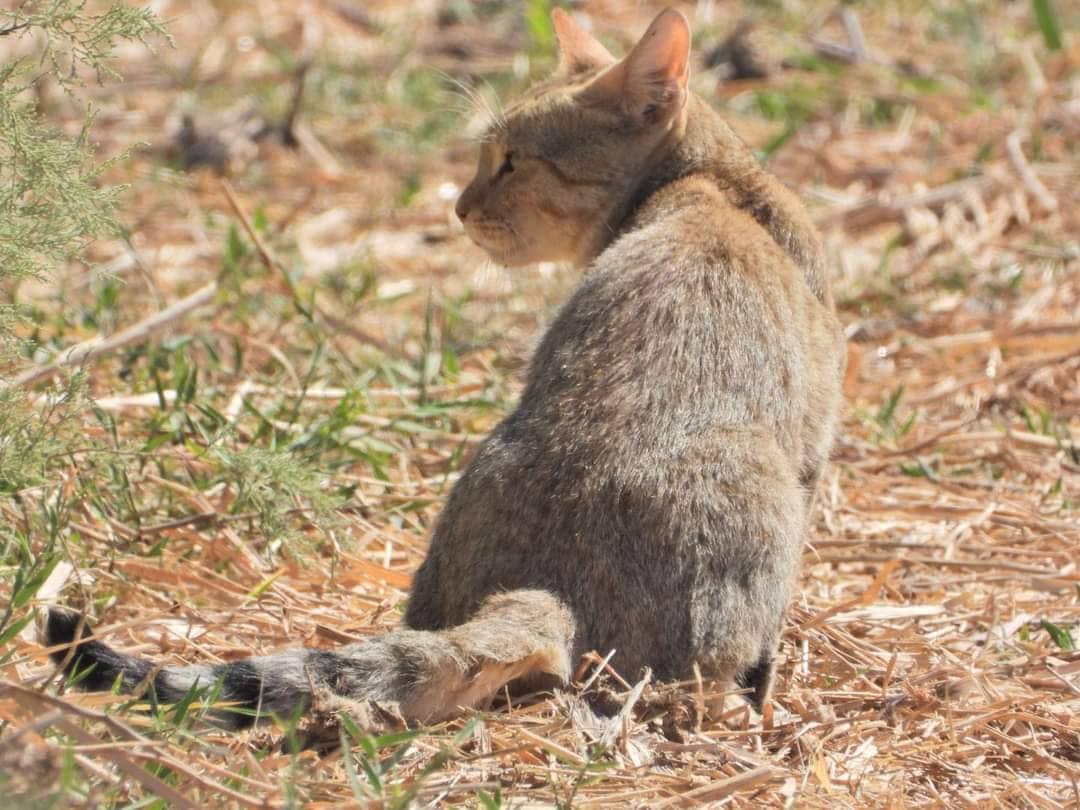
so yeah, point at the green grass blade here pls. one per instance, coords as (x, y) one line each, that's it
(1048, 22)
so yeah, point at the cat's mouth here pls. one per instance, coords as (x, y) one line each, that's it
(497, 239)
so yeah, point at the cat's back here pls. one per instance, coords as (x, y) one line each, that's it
(693, 315)
(693, 226)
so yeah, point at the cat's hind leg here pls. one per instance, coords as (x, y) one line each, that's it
(749, 544)
(759, 678)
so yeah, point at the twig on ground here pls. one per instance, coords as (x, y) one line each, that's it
(1027, 175)
(90, 350)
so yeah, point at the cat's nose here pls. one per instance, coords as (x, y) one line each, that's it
(463, 205)
(466, 202)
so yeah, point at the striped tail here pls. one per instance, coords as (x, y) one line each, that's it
(430, 675)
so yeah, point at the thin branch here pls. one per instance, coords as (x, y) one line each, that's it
(88, 350)
(1030, 180)
(11, 29)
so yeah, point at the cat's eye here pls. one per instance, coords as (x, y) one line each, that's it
(507, 165)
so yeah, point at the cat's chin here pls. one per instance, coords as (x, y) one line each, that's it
(511, 257)
(509, 262)
(521, 256)
(510, 251)
(505, 256)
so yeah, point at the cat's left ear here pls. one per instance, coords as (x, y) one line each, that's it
(578, 49)
(651, 81)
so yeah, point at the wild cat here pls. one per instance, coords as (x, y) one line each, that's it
(649, 494)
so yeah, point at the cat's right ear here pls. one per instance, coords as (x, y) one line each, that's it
(578, 49)
(652, 80)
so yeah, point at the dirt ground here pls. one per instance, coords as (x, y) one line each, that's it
(291, 174)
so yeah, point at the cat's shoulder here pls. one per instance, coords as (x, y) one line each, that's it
(689, 220)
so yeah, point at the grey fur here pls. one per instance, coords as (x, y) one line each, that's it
(427, 675)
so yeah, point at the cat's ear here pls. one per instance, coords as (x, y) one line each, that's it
(652, 79)
(578, 49)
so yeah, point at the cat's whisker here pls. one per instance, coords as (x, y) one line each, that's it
(462, 105)
(500, 112)
(465, 109)
(489, 104)
(480, 126)
(493, 116)
(484, 131)
(459, 87)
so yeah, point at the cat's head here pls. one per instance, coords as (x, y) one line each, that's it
(563, 159)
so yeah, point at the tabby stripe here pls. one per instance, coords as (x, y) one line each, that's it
(570, 181)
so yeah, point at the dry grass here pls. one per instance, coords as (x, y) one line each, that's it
(927, 661)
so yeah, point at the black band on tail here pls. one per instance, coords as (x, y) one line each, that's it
(430, 675)
(95, 664)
